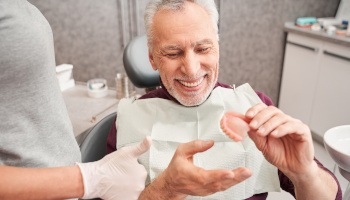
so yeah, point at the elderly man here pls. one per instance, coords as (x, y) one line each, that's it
(183, 47)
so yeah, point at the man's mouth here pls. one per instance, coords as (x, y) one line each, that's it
(192, 83)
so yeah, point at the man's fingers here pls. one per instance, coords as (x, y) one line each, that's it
(220, 180)
(264, 115)
(238, 175)
(141, 147)
(273, 123)
(251, 112)
(242, 174)
(297, 129)
(260, 141)
(193, 147)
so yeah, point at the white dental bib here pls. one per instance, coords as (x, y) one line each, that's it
(170, 124)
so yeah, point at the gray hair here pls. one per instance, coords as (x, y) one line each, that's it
(155, 5)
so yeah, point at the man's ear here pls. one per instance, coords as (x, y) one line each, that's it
(151, 60)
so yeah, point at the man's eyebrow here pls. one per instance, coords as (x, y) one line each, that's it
(171, 47)
(205, 41)
(178, 47)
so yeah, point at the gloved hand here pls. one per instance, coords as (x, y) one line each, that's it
(117, 175)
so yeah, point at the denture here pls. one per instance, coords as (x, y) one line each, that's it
(234, 125)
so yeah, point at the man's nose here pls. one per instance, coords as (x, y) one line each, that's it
(190, 65)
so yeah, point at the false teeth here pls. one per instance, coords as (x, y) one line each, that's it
(234, 126)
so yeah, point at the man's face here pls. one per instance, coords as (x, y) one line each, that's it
(186, 53)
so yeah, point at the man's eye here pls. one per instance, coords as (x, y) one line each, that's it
(203, 50)
(172, 55)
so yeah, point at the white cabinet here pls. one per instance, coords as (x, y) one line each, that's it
(315, 84)
(332, 95)
(298, 79)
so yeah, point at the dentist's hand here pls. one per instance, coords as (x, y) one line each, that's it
(117, 175)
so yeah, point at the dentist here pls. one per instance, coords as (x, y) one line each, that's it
(39, 157)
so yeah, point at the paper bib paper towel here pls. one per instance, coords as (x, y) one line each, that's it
(170, 124)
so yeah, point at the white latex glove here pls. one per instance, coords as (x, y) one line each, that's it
(116, 176)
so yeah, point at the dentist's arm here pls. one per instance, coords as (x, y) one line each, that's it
(182, 177)
(40, 183)
(116, 176)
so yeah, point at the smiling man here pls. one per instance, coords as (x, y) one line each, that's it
(183, 119)
(185, 53)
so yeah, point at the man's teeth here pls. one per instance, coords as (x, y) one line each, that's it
(193, 84)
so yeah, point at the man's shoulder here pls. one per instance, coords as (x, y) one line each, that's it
(264, 98)
(218, 84)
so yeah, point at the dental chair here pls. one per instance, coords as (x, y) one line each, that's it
(94, 145)
(137, 65)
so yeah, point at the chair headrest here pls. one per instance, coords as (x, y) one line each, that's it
(137, 65)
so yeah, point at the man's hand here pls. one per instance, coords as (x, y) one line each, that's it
(117, 175)
(182, 177)
(285, 142)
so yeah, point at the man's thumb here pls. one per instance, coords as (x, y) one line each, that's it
(259, 141)
(141, 147)
(197, 146)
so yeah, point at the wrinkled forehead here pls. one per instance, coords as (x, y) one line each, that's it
(189, 26)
